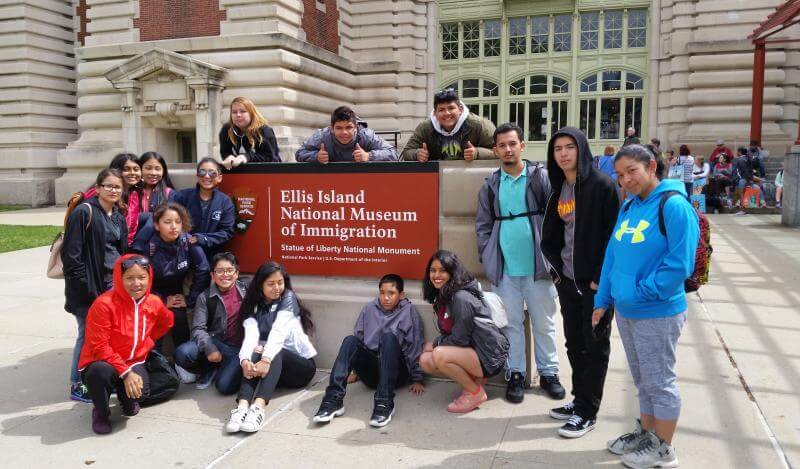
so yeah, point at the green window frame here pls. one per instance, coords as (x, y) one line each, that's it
(492, 30)
(612, 29)
(637, 28)
(517, 36)
(449, 41)
(481, 95)
(471, 45)
(562, 33)
(539, 104)
(540, 34)
(609, 101)
(590, 30)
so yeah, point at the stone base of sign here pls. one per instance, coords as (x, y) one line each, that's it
(791, 188)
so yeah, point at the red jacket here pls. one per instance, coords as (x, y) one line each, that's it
(121, 331)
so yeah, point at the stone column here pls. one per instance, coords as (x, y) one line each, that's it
(791, 188)
(208, 113)
(131, 119)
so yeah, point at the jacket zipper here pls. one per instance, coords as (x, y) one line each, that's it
(135, 328)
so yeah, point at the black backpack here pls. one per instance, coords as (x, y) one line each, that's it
(164, 381)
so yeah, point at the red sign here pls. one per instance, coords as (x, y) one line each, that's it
(344, 219)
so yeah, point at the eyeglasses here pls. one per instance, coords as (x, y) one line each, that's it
(221, 272)
(140, 261)
(111, 187)
(212, 173)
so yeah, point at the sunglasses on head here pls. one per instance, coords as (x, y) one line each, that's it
(446, 94)
(140, 261)
(212, 173)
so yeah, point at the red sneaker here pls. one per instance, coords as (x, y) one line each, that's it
(467, 401)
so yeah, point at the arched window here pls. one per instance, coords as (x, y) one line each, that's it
(539, 104)
(609, 102)
(481, 96)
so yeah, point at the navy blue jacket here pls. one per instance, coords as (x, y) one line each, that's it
(216, 228)
(172, 262)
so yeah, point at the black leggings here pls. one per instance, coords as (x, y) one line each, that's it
(101, 379)
(287, 369)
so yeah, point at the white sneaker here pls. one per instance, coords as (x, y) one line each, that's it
(652, 452)
(628, 442)
(185, 375)
(235, 422)
(254, 421)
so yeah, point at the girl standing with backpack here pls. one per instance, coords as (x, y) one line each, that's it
(643, 278)
(471, 348)
(94, 237)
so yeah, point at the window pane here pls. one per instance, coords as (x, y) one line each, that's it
(470, 89)
(633, 82)
(489, 111)
(560, 85)
(539, 84)
(613, 34)
(588, 116)
(559, 117)
(491, 41)
(490, 89)
(633, 114)
(453, 85)
(609, 118)
(589, 84)
(516, 114)
(517, 88)
(562, 33)
(540, 29)
(472, 37)
(637, 28)
(611, 80)
(450, 41)
(516, 36)
(537, 116)
(589, 27)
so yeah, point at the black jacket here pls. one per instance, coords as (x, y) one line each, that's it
(473, 327)
(264, 152)
(744, 168)
(172, 262)
(83, 254)
(216, 228)
(596, 209)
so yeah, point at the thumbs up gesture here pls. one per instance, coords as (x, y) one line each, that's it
(470, 152)
(422, 153)
(323, 156)
(359, 154)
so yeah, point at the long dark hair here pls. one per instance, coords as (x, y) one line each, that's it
(643, 154)
(165, 182)
(118, 163)
(254, 294)
(460, 278)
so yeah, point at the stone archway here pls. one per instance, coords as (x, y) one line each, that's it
(162, 89)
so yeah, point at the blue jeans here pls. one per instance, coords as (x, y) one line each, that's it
(74, 375)
(229, 373)
(383, 371)
(539, 296)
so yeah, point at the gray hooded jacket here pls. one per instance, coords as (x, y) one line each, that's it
(487, 224)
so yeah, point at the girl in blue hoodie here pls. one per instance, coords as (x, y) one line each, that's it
(642, 277)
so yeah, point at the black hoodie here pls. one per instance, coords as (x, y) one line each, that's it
(596, 209)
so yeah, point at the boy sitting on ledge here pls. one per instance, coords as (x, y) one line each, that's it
(383, 352)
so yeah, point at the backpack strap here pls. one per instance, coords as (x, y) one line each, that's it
(664, 197)
(626, 205)
(89, 223)
(541, 199)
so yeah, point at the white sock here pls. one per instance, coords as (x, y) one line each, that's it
(243, 405)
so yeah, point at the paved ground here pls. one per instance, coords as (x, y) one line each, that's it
(738, 366)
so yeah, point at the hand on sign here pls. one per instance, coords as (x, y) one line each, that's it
(360, 155)
(323, 156)
(422, 153)
(470, 152)
(239, 160)
(228, 161)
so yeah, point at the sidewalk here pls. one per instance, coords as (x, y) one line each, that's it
(750, 310)
(53, 215)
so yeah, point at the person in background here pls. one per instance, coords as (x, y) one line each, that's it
(217, 332)
(757, 158)
(276, 350)
(700, 173)
(247, 137)
(211, 211)
(383, 352)
(121, 329)
(605, 163)
(157, 185)
(723, 176)
(686, 161)
(95, 236)
(345, 140)
(630, 137)
(719, 150)
(779, 187)
(451, 132)
(643, 278)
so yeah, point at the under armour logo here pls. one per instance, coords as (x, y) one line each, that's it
(638, 232)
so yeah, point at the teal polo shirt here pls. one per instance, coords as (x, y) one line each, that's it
(516, 237)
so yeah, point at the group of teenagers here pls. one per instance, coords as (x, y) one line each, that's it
(138, 255)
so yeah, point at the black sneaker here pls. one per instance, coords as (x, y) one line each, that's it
(515, 391)
(382, 414)
(576, 427)
(328, 410)
(130, 408)
(552, 386)
(564, 412)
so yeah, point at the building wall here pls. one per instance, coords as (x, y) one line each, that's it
(37, 96)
